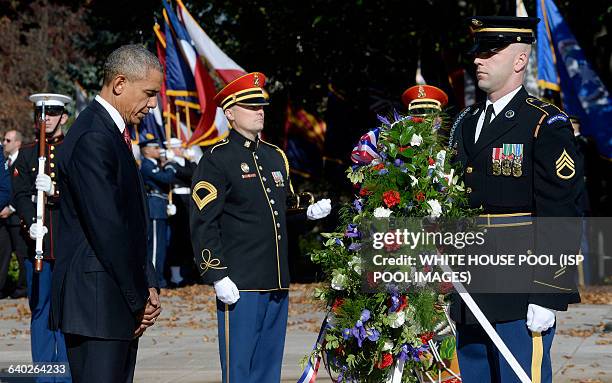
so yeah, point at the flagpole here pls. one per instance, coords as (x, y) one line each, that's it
(168, 123)
(178, 122)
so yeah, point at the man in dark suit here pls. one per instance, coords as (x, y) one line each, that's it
(10, 222)
(104, 293)
(519, 157)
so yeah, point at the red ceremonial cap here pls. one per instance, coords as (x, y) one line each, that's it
(424, 97)
(245, 90)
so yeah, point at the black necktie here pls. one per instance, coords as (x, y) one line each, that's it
(487, 119)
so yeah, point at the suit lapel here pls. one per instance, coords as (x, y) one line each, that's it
(502, 123)
(127, 153)
(468, 129)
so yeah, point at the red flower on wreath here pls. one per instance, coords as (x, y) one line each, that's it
(337, 303)
(427, 336)
(431, 161)
(402, 148)
(420, 196)
(417, 120)
(378, 166)
(446, 287)
(391, 198)
(386, 361)
(364, 192)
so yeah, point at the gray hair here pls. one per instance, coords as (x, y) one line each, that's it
(133, 61)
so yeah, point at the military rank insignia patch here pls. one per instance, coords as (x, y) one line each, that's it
(278, 179)
(201, 202)
(245, 167)
(565, 166)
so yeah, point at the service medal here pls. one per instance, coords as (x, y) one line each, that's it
(496, 161)
(507, 160)
(278, 178)
(517, 163)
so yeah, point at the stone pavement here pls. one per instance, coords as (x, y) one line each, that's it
(182, 346)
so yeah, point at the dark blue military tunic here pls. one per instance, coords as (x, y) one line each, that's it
(238, 214)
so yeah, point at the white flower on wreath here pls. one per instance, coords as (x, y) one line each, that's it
(413, 180)
(339, 281)
(397, 319)
(355, 264)
(435, 209)
(382, 212)
(416, 140)
(388, 346)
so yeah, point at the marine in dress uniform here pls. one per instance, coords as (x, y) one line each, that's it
(157, 180)
(238, 223)
(47, 345)
(180, 253)
(519, 158)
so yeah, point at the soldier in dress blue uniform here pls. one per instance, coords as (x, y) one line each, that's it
(519, 157)
(180, 253)
(47, 345)
(238, 227)
(157, 180)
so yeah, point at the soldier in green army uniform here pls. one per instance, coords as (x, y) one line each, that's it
(519, 159)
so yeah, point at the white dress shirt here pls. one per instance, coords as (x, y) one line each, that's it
(498, 106)
(114, 113)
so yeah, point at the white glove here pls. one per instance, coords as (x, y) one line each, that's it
(43, 183)
(171, 209)
(226, 291)
(34, 233)
(319, 209)
(170, 155)
(189, 153)
(539, 319)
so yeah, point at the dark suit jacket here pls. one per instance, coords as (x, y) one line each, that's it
(5, 181)
(101, 277)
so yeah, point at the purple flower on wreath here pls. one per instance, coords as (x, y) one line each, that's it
(383, 171)
(352, 231)
(358, 205)
(346, 333)
(355, 246)
(398, 162)
(396, 116)
(339, 242)
(360, 332)
(383, 119)
(409, 352)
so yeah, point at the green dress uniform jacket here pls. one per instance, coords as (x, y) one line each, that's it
(238, 214)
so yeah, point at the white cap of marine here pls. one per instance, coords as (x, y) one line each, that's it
(50, 99)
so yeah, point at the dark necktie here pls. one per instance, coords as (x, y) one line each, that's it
(487, 119)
